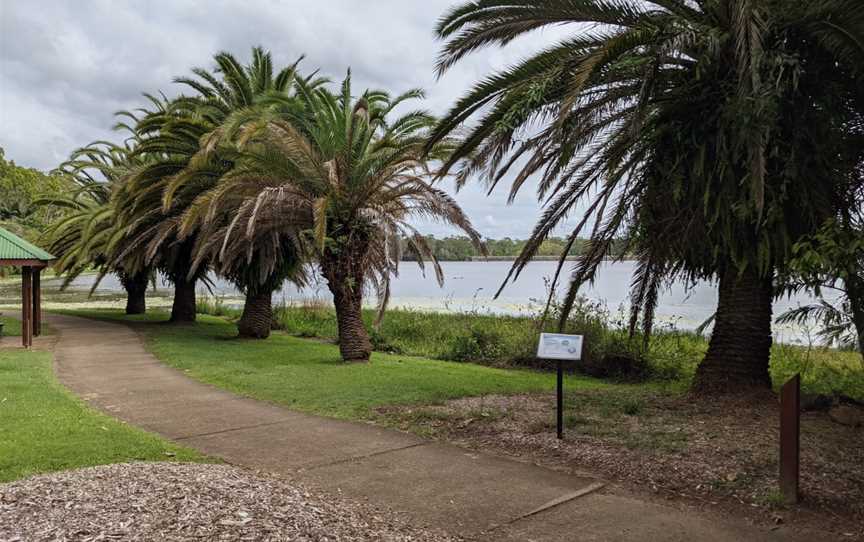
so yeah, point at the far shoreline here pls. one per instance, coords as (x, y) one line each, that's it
(482, 259)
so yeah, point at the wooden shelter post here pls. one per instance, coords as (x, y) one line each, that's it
(27, 306)
(17, 252)
(37, 301)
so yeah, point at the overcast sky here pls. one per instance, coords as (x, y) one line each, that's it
(67, 66)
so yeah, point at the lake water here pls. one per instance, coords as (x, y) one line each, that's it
(471, 286)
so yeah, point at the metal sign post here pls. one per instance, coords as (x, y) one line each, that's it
(561, 348)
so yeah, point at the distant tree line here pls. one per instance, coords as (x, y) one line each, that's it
(457, 248)
(21, 191)
(21, 196)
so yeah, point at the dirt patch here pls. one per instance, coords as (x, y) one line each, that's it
(168, 501)
(718, 455)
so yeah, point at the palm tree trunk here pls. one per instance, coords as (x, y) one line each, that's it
(740, 349)
(354, 343)
(183, 310)
(136, 292)
(257, 319)
(344, 272)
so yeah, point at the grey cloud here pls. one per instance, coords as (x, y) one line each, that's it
(66, 67)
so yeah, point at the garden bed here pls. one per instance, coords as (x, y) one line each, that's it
(719, 455)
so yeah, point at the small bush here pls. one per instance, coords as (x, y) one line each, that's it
(477, 345)
(624, 367)
(632, 407)
(382, 344)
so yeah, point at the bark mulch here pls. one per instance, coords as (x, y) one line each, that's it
(718, 455)
(175, 501)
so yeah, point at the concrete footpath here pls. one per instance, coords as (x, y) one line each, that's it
(466, 493)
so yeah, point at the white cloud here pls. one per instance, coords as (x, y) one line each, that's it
(66, 67)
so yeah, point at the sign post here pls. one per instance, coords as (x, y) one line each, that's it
(561, 348)
(790, 438)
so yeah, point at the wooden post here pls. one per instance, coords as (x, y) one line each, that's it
(790, 435)
(27, 306)
(37, 302)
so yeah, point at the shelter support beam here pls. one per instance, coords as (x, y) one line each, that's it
(27, 306)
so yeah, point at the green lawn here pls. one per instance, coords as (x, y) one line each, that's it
(308, 375)
(45, 428)
(11, 326)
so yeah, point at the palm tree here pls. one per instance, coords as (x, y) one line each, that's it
(156, 197)
(81, 236)
(257, 262)
(698, 132)
(344, 178)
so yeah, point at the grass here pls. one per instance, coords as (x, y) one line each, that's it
(503, 340)
(608, 415)
(672, 356)
(510, 342)
(44, 428)
(823, 371)
(11, 326)
(308, 375)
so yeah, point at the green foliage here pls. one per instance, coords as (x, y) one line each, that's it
(341, 176)
(835, 251)
(503, 340)
(697, 132)
(44, 428)
(214, 306)
(11, 326)
(632, 406)
(832, 258)
(80, 238)
(837, 327)
(479, 345)
(823, 371)
(21, 190)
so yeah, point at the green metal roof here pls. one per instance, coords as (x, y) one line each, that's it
(13, 247)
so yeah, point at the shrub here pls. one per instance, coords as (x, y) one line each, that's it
(632, 407)
(477, 345)
(382, 344)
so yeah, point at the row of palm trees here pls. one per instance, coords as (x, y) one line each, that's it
(255, 176)
(711, 137)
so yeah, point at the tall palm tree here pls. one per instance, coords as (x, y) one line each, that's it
(81, 236)
(700, 132)
(157, 195)
(344, 177)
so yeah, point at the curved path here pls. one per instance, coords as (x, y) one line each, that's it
(434, 484)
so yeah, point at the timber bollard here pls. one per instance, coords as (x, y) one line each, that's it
(790, 438)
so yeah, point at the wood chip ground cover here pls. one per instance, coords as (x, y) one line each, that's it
(173, 502)
(720, 456)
